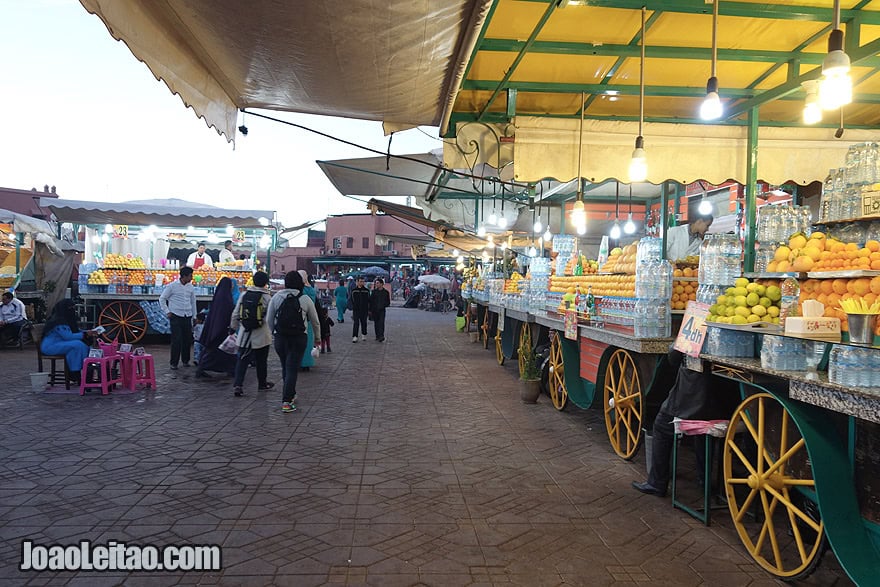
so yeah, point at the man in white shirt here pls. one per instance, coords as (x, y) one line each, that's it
(685, 240)
(226, 255)
(12, 317)
(178, 301)
(199, 258)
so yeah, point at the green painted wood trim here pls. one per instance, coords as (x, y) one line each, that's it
(510, 336)
(751, 191)
(663, 52)
(744, 9)
(580, 391)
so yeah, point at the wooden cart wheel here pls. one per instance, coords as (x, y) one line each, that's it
(468, 317)
(499, 350)
(556, 383)
(623, 404)
(767, 477)
(487, 327)
(525, 343)
(124, 322)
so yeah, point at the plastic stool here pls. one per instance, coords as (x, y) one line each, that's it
(106, 380)
(141, 371)
(704, 514)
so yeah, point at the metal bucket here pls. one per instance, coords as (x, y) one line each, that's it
(861, 327)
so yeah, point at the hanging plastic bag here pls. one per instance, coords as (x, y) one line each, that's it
(229, 345)
(460, 323)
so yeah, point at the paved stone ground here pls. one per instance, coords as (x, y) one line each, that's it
(408, 463)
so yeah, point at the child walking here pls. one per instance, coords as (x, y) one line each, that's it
(326, 322)
(197, 334)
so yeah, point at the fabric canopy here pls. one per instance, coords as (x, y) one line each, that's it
(548, 147)
(395, 61)
(134, 214)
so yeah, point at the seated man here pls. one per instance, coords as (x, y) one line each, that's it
(12, 318)
(693, 396)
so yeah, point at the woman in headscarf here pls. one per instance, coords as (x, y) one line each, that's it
(61, 336)
(308, 360)
(215, 331)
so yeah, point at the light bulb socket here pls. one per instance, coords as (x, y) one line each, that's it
(712, 86)
(640, 145)
(835, 40)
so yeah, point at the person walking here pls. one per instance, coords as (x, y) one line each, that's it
(341, 294)
(287, 315)
(215, 332)
(326, 322)
(359, 300)
(178, 301)
(379, 300)
(253, 336)
(314, 334)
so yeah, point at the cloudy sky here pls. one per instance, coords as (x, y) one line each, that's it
(82, 114)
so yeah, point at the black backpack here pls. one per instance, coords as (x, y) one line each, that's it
(289, 321)
(250, 312)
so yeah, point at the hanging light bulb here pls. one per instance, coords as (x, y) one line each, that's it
(578, 213)
(490, 239)
(638, 165)
(812, 108)
(705, 207)
(711, 108)
(548, 236)
(460, 260)
(581, 229)
(835, 88)
(630, 226)
(493, 216)
(481, 231)
(533, 252)
(455, 252)
(503, 246)
(502, 222)
(538, 227)
(615, 231)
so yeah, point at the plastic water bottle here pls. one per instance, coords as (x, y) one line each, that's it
(847, 368)
(788, 305)
(702, 275)
(834, 363)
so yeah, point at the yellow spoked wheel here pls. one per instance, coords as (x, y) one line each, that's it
(623, 404)
(525, 344)
(766, 473)
(470, 318)
(486, 327)
(124, 322)
(499, 352)
(556, 379)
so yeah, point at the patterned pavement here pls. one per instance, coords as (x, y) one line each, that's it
(411, 462)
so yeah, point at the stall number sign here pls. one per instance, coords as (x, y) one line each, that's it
(693, 329)
(120, 231)
(238, 235)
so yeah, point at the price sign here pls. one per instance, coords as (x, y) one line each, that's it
(120, 231)
(571, 324)
(693, 329)
(238, 235)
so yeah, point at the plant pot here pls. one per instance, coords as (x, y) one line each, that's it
(529, 390)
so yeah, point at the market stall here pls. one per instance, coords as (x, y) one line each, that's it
(133, 250)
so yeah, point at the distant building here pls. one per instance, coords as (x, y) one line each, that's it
(26, 202)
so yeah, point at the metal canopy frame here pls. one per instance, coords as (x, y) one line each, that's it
(480, 98)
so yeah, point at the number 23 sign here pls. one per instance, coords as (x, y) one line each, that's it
(693, 329)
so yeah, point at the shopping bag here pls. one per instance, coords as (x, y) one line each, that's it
(460, 323)
(229, 345)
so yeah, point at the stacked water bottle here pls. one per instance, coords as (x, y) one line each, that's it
(854, 366)
(784, 354)
(157, 319)
(539, 269)
(653, 315)
(564, 245)
(721, 342)
(842, 188)
(719, 266)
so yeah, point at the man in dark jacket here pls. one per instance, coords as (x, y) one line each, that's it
(694, 396)
(359, 302)
(379, 300)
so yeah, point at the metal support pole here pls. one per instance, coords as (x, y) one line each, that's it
(751, 191)
(664, 215)
(19, 240)
(673, 220)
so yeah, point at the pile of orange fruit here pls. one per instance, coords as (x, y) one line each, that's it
(622, 260)
(820, 253)
(603, 285)
(831, 291)
(682, 293)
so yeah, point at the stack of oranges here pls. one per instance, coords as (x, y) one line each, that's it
(819, 253)
(682, 293)
(831, 291)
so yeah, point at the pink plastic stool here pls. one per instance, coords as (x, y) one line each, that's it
(106, 380)
(141, 371)
(108, 349)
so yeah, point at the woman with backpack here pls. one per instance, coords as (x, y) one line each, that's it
(253, 335)
(287, 316)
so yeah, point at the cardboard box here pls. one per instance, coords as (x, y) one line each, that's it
(870, 204)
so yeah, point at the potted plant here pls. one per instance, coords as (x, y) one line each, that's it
(529, 375)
